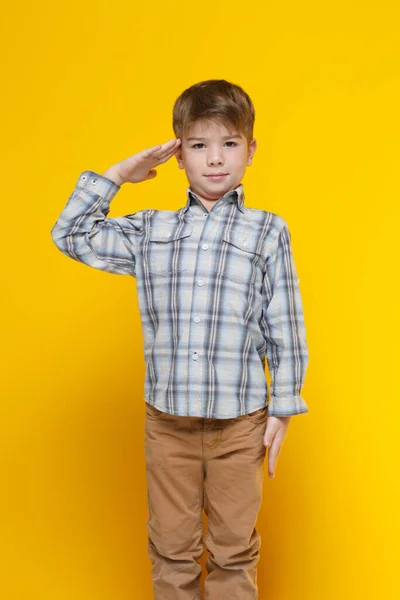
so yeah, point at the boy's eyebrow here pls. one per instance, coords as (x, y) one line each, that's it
(226, 137)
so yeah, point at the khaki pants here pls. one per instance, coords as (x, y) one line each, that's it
(216, 464)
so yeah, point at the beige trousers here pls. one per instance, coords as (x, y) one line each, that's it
(216, 464)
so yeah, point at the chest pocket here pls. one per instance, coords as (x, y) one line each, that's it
(167, 248)
(244, 257)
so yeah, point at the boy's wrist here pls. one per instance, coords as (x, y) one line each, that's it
(113, 174)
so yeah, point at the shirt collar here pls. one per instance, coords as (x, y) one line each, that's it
(237, 194)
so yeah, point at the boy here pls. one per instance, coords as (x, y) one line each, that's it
(218, 293)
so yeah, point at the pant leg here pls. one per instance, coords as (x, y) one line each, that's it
(234, 465)
(175, 478)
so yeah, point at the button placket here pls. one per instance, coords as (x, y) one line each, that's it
(196, 336)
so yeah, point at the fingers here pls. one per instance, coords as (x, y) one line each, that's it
(167, 150)
(273, 439)
(273, 454)
(163, 151)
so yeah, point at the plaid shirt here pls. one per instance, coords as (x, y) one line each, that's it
(218, 295)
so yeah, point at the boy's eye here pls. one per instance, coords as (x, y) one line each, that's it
(200, 144)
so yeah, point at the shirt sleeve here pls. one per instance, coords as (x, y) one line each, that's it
(284, 329)
(83, 232)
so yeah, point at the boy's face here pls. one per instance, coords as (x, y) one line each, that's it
(209, 147)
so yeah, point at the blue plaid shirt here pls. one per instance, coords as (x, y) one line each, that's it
(218, 295)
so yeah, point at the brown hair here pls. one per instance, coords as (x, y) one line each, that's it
(216, 100)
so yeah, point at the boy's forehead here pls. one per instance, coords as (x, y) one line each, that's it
(210, 130)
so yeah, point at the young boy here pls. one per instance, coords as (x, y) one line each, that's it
(218, 294)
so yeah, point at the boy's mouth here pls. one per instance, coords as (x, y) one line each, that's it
(217, 176)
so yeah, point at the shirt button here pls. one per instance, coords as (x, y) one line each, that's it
(83, 177)
(200, 282)
(196, 319)
(205, 246)
(195, 356)
(94, 181)
(205, 215)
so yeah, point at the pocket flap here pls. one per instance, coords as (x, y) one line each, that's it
(244, 241)
(164, 232)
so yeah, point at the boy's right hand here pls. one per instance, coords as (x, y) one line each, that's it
(140, 166)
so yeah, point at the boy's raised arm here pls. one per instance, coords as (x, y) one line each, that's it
(284, 330)
(83, 231)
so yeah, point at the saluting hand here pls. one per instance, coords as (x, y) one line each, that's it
(140, 167)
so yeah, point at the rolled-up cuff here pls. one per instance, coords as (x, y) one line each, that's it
(286, 406)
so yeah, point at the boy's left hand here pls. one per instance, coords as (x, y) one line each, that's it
(273, 438)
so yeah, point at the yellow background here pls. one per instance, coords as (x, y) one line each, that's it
(87, 84)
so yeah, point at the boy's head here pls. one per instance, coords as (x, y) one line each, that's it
(214, 120)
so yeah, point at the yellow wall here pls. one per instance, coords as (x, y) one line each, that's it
(89, 83)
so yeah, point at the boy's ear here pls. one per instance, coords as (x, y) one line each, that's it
(251, 151)
(178, 156)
